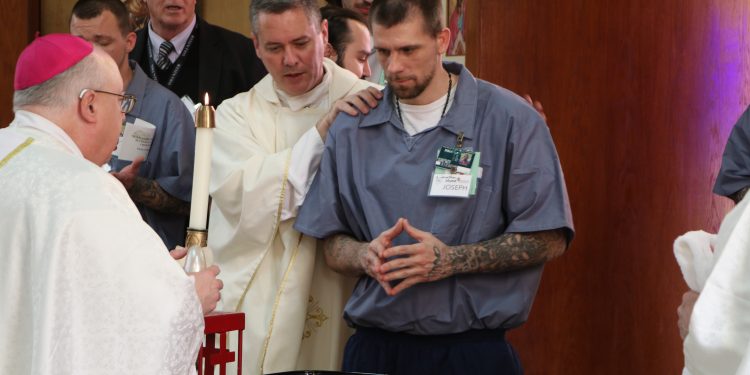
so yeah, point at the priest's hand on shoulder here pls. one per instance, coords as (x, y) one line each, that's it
(359, 102)
(207, 286)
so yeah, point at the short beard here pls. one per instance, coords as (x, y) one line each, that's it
(411, 93)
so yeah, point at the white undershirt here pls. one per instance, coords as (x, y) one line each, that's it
(308, 150)
(178, 41)
(418, 118)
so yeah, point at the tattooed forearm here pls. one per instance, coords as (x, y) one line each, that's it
(436, 262)
(508, 252)
(343, 254)
(737, 196)
(150, 194)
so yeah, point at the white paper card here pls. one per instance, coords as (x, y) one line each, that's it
(189, 105)
(450, 185)
(135, 140)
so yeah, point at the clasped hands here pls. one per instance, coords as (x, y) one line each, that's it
(423, 261)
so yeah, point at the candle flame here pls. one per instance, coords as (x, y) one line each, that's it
(206, 99)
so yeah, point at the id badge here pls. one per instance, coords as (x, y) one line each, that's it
(454, 160)
(450, 185)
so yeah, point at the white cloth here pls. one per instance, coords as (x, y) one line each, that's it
(86, 287)
(717, 342)
(292, 300)
(695, 256)
(309, 147)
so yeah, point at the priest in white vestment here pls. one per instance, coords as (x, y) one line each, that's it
(86, 287)
(267, 147)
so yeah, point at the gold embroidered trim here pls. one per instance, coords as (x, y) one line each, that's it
(15, 151)
(276, 302)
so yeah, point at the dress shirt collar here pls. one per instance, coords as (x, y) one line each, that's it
(137, 88)
(178, 41)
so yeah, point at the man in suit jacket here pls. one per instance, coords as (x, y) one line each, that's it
(191, 57)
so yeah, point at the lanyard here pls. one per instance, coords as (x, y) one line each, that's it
(178, 63)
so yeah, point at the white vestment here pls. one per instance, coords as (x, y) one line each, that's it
(293, 302)
(717, 342)
(86, 287)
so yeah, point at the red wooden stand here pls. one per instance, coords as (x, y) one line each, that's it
(209, 356)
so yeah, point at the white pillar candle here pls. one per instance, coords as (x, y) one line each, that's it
(204, 124)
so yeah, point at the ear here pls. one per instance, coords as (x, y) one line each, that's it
(256, 44)
(443, 39)
(330, 52)
(324, 30)
(130, 41)
(86, 107)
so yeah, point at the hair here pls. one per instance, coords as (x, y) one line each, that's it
(339, 33)
(138, 13)
(390, 13)
(88, 9)
(280, 6)
(63, 89)
(335, 3)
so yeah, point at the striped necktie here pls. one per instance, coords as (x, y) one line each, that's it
(163, 60)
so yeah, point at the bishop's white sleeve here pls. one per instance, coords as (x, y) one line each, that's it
(305, 160)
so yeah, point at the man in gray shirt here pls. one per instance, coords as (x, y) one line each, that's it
(161, 184)
(733, 179)
(446, 199)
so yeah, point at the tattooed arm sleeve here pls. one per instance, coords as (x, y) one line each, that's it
(150, 194)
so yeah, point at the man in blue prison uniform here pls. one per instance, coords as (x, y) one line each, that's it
(169, 163)
(162, 184)
(450, 257)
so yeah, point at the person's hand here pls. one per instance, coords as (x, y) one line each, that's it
(415, 263)
(360, 102)
(128, 174)
(537, 105)
(207, 287)
(685, 311)
(178, 252)
(372, 259)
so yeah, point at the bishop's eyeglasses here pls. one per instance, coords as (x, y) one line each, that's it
(127, 101)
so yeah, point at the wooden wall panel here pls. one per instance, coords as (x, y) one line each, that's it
(641, 96)
(231, 14)
(56, 16)
(20, 19)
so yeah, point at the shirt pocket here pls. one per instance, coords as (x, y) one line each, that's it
(463, 220)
